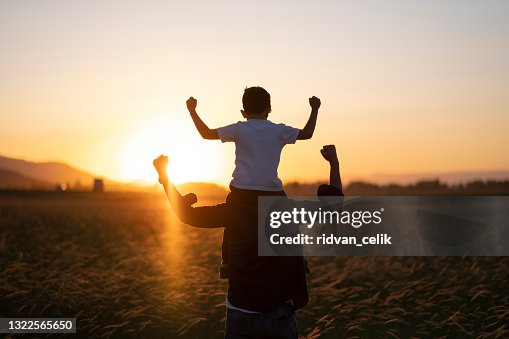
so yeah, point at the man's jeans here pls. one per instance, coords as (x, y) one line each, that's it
(277, 324)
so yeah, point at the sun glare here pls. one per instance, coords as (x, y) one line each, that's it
(191, 158)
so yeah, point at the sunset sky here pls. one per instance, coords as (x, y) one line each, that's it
(406, 86)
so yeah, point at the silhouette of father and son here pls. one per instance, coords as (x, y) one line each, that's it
(263, 291)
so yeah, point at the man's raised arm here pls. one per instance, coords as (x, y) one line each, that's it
(203, 129)
(201, 217)
(329, 153)
(178, 203)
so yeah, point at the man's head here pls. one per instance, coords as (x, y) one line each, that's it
(256, 102)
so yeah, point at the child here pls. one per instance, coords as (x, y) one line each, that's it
(258, 146)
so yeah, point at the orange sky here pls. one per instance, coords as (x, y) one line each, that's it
(405, 86)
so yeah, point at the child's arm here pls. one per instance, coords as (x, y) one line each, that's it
(329, 153)
(309, 129)
(205, 132)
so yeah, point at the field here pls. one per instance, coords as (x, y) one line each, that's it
(125, 267)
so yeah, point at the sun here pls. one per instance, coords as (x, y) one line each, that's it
(191, 157)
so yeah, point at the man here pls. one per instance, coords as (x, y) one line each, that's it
(263, 292)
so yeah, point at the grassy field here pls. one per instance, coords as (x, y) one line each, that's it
(124, 267)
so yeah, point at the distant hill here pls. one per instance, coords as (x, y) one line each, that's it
(431, 187)
(51, 173)
(21, 174)
(450, 178)
(204, 190)
(13, 180)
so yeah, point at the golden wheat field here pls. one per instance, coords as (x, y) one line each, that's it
(124, 267)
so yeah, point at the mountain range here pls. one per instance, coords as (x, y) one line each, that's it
(46, 174)
(22, 174)
(449, 178)
(13, 180)
(27, 175)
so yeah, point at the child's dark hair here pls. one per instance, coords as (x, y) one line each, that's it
(255, 100)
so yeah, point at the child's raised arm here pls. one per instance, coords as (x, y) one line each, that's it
(309, 129)
(204, 130)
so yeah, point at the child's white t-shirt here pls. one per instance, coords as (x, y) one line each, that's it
(258, 145)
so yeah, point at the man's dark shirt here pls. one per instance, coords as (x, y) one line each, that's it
(256, 283)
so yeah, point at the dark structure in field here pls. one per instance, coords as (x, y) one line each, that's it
(98, 185)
